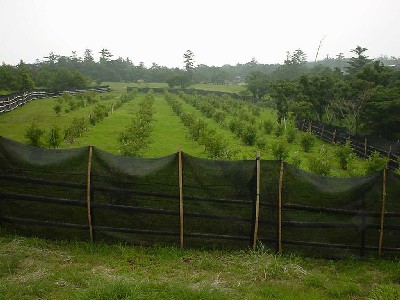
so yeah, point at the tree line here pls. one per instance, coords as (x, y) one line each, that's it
(74, 71)
(364, 96)
(357, 92)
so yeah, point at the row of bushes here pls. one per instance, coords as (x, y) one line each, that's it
(137, 135)
(243, 123)
(38, 137)
(215, 144)
(75, 102)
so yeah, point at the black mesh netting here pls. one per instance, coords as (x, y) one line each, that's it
(45, 193)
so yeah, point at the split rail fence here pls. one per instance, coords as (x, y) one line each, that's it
(87, 193)
(363, 146)
(13, 101)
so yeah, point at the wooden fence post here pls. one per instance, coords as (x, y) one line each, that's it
(322, 131)
(333, 136)
(257, 212)
(280, 209)
(388, 156)
(382, 213)
(365, 148)
(89, 193)
(363, 228)
(180, 178)
(302, 125)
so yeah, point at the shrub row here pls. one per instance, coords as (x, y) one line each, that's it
(215, 144)
(137, 135)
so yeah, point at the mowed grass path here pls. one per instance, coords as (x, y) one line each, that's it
(168, 131)
(105, 134)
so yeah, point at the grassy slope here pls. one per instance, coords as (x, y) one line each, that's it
(168, 133)
(38, 269)
(105, 134)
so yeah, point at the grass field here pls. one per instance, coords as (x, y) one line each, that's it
(168, 131)
(32, 268)
(231, 88)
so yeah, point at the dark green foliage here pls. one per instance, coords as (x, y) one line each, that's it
(307, 141)
(280, 149)
(249, 135)
(296, 160)
(375, 163)
(257, 83)
(34, 135)
(54, 137)
(261, 143)
(99, 112)
(57, 109)
(344, 154)
(321, 163)
(291, 134)
(279, 130)
(76, 129)
(137, 135)
(215, 144)
(268, 126)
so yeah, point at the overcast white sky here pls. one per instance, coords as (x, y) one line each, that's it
(217, 31)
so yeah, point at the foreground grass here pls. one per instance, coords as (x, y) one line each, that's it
(32, 268)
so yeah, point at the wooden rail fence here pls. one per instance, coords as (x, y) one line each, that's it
(13, 101)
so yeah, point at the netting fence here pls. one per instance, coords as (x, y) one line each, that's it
(89, 194)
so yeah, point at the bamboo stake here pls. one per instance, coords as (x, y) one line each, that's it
(310, 126)
(382, 213)
(280, 209)
(365, 147)
(256, 220)
(388, 156)
(88, 194)
(180, 175)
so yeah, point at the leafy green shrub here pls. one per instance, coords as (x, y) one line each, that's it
(137, 135)
(54, 137)
(280, 150)
(279, 130)
(321, 163)
(90, 98)
(220, 117)
(249, 135)
(236, 126)
(76, 129)
(34, 135)
(100, 111)
(296, 160)
(261, 143)
(57, 109)
(268, 126)
(307, 141)
(375, 163)
(344, 154)
(291, 134)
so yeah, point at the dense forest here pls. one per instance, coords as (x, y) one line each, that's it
(360, 93)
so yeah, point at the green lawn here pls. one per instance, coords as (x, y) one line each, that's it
(169, 133)
(32, 268)
(230, 88)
